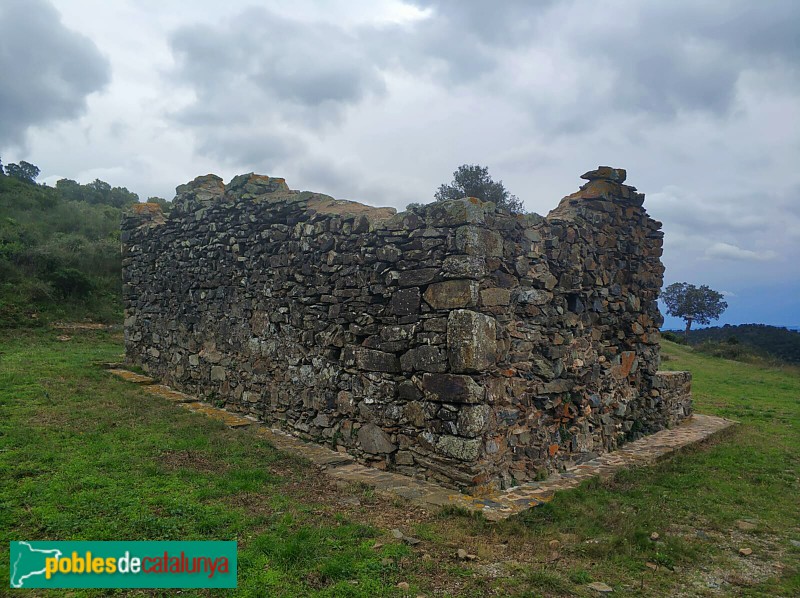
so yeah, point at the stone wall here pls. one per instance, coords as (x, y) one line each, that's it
(458, 342)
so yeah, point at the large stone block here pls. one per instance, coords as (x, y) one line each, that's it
(457, 211)
(495, 297)
(464, 266)
(529, 296)
(473, 420)
(618, 175)
(414, 412)
(452, 388)
(405, 302)
(471, 341)
(414, 278)
(425, 358)
(451, 294)
(459, 448)
(374, 440)
(370, 360)
(474, 240)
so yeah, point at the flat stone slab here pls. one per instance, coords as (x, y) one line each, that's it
(226, 417)
(494, 506)
(168, 393)
(129, 376)
(81, 326)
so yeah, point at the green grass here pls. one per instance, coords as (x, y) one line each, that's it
(86, 456)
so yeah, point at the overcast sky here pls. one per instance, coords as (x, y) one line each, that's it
(380, 101)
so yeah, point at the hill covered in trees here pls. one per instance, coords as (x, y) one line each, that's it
(766, 340)
(59, 249)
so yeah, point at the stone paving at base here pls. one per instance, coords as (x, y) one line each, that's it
(494, 506)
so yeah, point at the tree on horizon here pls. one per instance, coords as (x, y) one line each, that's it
(693, 304)
(24, 171)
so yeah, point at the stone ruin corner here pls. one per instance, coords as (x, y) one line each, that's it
(460, 343)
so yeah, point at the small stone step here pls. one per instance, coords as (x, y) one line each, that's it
(169, 394)
(129, 376)
(229, 419)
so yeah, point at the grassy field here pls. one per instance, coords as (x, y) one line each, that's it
(86, 456)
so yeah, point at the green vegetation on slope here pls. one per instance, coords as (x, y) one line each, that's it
(59, 251)
(86, 456)
(735, 341)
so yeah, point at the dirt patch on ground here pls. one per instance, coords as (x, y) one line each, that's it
(82, 326)
(433, 538)
(748, 558)
(194, 460)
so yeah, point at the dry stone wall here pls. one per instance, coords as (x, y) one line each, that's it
(459, 342)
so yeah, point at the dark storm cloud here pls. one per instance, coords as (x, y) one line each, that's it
(278, 74)
(47, 69)
(290, 68)
(728, 214)
(263, 64)
(674, 56)
(495, 24)
(706, 231)
(259, 79)
(745, 28)
(460, 41)
(656, 58)
(261, 150)
(570, 69)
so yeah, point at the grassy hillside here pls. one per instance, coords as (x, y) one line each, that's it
(59, 252)
(86, 456)
(736, 341)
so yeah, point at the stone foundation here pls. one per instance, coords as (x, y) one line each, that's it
(459, 343)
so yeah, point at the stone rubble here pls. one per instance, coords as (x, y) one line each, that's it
(457, 343)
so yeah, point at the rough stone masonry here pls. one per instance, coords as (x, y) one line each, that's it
(458, 342)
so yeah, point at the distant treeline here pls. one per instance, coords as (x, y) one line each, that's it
(770, 341)
(59, 248)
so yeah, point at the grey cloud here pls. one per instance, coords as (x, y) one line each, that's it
(460, 41)
(322, 175)
(734, 215)
(341, 179)
(665, 57)
(263, 151)
(734, 238)
(632, 58)
(741, 26)
(261, 80)
(656, 58)
(726, 251)
(789, 201)
(497, 24)
(47, 69)
(278, 66)
(666, 79)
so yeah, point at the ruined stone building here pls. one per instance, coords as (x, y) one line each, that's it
(458, 342)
